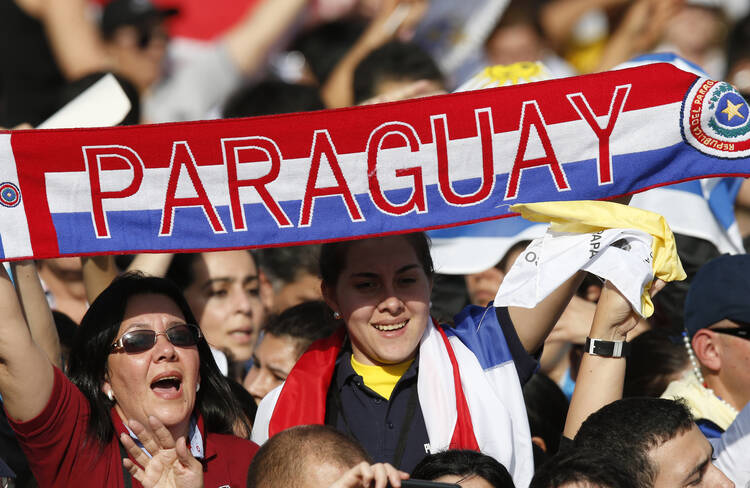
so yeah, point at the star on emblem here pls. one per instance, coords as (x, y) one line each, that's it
(731, 110)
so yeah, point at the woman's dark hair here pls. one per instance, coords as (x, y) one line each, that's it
(305, 323)
(333, 256)
(181, 272)
(653, 362)
(463, 463)
(92, 345)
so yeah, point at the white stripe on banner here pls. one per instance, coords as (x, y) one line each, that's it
(14, 228)
(70, 191)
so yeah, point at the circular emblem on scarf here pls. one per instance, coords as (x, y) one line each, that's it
(716, 120)
(10, 195)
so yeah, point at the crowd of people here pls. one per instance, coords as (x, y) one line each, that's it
(358, 363)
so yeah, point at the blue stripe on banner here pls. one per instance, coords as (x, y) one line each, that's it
(479, 330)
(191, 229)
(2, 252)
(494, 228)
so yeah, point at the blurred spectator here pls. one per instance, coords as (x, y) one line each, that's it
(519, 37)
(228, 296)
(62, 279)
(654, 362)
(285, 337)
(272, 97)
(293, 273)
(547, 407)
(393, 66)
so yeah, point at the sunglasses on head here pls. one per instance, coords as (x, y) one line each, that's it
(135, 341)
(741, 332)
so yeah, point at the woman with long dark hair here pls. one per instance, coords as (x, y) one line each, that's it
(138, 365)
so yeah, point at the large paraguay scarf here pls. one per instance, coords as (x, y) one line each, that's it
(467, 385)
(364, 171)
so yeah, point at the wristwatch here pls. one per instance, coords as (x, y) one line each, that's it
(609, 349)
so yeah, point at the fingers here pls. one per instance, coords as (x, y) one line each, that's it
(134, 451)
(183, 453)
(133, 469)
(657, 286)
(144, 436)
(163, 436)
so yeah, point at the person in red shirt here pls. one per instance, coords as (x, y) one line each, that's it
(138, 367)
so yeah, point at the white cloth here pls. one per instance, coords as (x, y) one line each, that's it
(622, 256)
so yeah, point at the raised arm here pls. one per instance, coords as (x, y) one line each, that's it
(394, 17)
(98, 273)
(74, 38)
(36, 309)
(26, 374)
(533, 325)
(250, 41)
(600, 379)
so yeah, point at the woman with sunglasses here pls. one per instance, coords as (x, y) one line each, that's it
(138, 366)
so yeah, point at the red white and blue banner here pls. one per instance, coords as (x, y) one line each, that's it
(363, 171)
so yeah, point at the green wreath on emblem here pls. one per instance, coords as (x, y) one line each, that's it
(721, 89)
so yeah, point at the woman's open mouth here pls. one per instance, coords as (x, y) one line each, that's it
(167, 386)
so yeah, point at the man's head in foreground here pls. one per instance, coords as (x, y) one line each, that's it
(304, 456)
(656, 439)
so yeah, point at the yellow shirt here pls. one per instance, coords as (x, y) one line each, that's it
(381, 379)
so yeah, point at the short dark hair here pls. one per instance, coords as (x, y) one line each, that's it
(181, 272)
(629, 428)
(325, 45)
(271, 97)
(653, 360)
(273, 465)
(283, 265)
(395, 60)
(305, 323)
(460, 462)
(333, 256)
(92, 345)
(586, 466)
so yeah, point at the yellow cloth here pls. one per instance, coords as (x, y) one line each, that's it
(703, 403)
(381, 379)
(587, 216)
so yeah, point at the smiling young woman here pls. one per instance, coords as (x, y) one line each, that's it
(136, 356)
(396, 381)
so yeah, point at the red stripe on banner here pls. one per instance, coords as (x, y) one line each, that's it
(333, 133)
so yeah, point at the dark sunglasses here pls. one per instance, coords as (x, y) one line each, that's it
(741, 332)
(136, 341)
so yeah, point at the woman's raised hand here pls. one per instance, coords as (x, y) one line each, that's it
(171, 463)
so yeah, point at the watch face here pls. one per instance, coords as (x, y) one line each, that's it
(604, 348)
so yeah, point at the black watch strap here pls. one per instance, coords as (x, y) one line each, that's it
(609, 349)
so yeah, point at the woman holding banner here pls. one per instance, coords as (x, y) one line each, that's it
(402, 385)
(138, 368)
